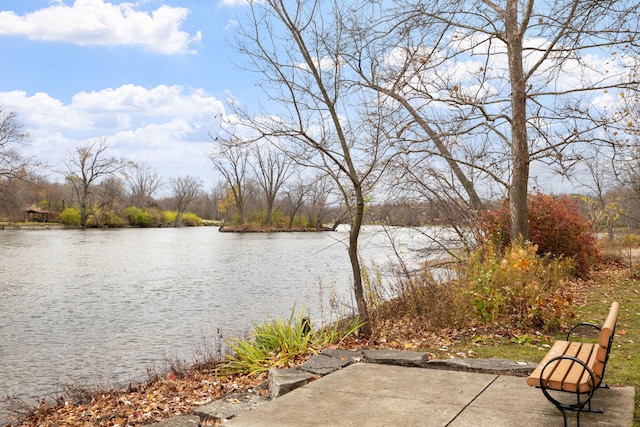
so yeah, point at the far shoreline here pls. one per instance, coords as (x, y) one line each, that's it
(12, 226)
(249, 229)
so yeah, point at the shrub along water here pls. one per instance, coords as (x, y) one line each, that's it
(138, 217)
(70, 216)
(191, 219)
(516, 287)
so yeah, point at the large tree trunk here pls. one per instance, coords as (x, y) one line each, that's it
(519, 146)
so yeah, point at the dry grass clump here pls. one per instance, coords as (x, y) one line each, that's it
(515, 288)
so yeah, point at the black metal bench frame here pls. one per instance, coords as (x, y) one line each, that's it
(581, 402)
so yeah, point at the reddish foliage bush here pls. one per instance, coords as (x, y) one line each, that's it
(555, 225)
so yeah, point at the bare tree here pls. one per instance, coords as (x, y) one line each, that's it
(272, 168)
(323, 202)
(314, 198)
(86, 167)
(323, 119)
(205, 205)
(494, 86)
(13, 165)
(230, 158)
(625, 155)
(626, 165)
(143, 183)
(184, 190)
(109, 192)
(597, 180)
(12, 135)
(295, 193)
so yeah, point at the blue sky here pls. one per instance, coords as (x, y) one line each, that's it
(150, 76)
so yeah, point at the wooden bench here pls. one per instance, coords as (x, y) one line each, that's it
(576, 367)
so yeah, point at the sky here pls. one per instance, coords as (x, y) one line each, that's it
(148, 76)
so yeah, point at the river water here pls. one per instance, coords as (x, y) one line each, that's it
(82, 305)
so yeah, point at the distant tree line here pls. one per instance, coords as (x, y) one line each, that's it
(92, 188)
(260, 186)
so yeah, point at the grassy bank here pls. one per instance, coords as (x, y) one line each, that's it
(609, 283)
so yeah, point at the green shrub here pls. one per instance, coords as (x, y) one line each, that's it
(301, 221)
(157, 217)
(71, 216)
(236, 219)
(169, 217)
(138, 217)
(190, 219)
(282, 343)
(110, 219)
(555, 225)
(278, 219)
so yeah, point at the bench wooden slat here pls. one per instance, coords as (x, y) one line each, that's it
(558, 349)
(601, 356)
(604, 341)
(557, 379)
(577, 377)
(585, 382)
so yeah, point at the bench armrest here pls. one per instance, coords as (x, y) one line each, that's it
(582, 324)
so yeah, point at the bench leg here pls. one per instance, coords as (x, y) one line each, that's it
(564, 416)
(563, 410)
(580, 405)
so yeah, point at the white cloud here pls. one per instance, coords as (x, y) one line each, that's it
(233, 3)
(42, 111)
(96, 22)
(231, 25)
(165, 126)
